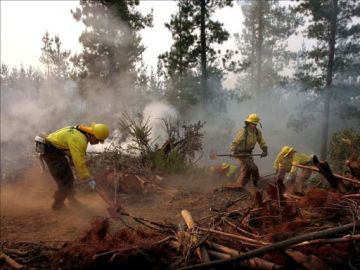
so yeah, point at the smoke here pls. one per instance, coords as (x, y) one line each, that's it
(156, 112)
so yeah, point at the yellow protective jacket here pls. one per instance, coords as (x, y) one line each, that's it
(73, 143)
(246, 139)
(232, 170)
(281, 162)
(298, 158)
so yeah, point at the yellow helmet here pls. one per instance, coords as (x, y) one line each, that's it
(225, 165)
(286, 150)
(100, 131)
(253, 118)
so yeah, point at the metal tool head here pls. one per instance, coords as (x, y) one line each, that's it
(213, 154)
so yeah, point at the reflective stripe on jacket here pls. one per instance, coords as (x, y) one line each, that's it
(246, 139)
(73, 143)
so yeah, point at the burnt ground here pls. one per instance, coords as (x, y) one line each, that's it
(154, 236)
(27, 220)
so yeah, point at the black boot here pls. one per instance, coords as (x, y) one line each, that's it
(73, 202)
(57, 205)
(59, 199)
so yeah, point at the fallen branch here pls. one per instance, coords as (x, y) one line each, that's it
(10, 261)
(315, 169)
(308, 261)
(223, 249)
(240, 229)
(247, 240)
(351, 196)
(201, 250)
(164, 240)
(277, 246)
(347, 238)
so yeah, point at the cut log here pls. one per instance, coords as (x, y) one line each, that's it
(277, 246)
(308, 261)
(255, 263)
(201, 250)
(223, 249)
(219, 255)
(14, 264)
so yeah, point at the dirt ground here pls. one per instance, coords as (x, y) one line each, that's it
(26, 215)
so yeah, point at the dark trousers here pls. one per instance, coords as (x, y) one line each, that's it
(60, 170)
(248, 169)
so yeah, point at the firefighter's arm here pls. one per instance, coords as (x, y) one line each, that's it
(277, 161)
(238, 140)
(261, 141)
(293, 167)
(77, 151)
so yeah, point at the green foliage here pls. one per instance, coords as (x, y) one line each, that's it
(139, 130)
(175, 156)
(331, 65)
(111, 49)
(343, 145)
(187, 84)
(55, 59)
(172, 163)
(262, 44)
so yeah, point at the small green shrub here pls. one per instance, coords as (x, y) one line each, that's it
(343, 145)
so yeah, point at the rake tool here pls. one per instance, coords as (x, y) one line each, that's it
(214, 155)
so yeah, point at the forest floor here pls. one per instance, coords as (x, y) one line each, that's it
(27, 218)
(154, 235)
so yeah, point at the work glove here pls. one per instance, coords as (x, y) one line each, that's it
(92, 183)
(265, 152)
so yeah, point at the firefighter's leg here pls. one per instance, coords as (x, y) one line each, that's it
(245, 172)
(62, 174)
(302, 179)
(254, 171)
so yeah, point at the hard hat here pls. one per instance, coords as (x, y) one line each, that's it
(286, 150)
(100, 131)
(225, 165)
(253, 118)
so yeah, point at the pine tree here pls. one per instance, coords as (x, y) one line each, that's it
(191, 64)
(335, 58)
(112, 48)
(55, 59)
(263, 44)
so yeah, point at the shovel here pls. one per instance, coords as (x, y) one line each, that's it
(214, 155)
(114, 209)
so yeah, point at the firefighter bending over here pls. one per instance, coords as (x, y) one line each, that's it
(71, 141)
(284, 163)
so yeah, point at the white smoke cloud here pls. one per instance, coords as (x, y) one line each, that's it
(155, 112)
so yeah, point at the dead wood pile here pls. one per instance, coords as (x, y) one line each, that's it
(317, 231)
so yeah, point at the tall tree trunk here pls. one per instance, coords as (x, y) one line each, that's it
(259, 51)
(253, 60)
(329, 76)
(203, 52)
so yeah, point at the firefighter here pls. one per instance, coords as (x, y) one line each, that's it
(70, 141)
(225, 170)
(284, 163)
(244, 143)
